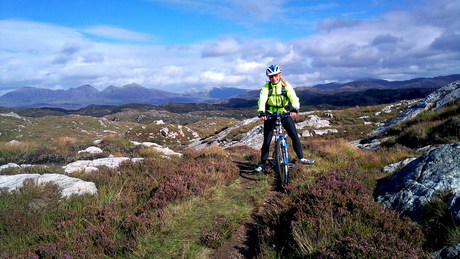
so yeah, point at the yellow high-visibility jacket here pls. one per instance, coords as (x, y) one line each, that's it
(276, 102)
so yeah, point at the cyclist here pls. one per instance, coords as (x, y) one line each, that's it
(274, 98)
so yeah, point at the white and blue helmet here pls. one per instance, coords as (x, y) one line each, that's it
(273, 70)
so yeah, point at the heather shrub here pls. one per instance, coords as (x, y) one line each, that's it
(337, 218)
(90, 232)
(129, 205)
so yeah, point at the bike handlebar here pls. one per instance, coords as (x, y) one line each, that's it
(270, 116)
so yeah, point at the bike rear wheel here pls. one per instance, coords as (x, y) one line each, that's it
(281, 165)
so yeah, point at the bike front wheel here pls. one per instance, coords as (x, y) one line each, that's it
(281, 165)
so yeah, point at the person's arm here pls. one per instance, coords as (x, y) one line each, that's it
(263, 98)
(292, 97)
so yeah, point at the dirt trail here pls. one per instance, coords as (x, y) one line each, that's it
(244, 242)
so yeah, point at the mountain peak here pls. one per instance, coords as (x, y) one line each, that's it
(133, 85)
(85, 87)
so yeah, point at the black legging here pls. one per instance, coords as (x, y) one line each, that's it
(289, 126)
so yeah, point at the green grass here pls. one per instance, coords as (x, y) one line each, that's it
(189, 221)
(41, 130)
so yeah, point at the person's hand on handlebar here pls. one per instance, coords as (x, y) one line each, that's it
(262, 116)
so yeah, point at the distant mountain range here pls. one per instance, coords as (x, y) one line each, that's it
(86, 95)
(365, 84)
(360, 92)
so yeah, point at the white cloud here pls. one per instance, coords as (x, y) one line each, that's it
(243, 67)
(116, 33)
(222, 47)
(18, 35)
(422, 42)
(388, 47)
(232, 9)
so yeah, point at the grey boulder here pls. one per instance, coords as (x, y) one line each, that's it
(410, 188)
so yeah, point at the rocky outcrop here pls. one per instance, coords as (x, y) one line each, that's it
(254, 137)
(435, 100)
(325, 131)
(16, 116)
(91, 150)
(93, 165)
(313, 121)
(69, 185)
(448, 252)
(410, 188)
(17, 166)
(394, 167)
(220, 138)
(166, 151)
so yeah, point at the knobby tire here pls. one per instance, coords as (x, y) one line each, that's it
(281, 165)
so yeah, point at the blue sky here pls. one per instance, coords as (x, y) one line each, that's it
(177, 45)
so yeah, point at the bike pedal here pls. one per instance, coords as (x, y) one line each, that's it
(290, 165)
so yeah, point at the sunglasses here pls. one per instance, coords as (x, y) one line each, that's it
(277, 75)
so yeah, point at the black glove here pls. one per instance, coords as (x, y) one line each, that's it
(261, 114)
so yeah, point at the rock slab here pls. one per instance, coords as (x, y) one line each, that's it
(69, 185)
(92, 165)
(410, 188)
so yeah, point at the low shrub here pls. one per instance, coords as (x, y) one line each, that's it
(415, 137)
(337, 218)
(129, 205)
(446, 132)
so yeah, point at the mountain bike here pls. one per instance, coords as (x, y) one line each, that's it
(280, 159)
